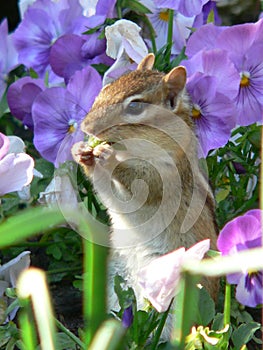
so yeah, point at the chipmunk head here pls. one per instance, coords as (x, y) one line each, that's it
(130, 100)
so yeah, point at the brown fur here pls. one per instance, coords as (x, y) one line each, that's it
(165, 126)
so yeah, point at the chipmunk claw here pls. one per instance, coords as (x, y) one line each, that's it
(82, 153)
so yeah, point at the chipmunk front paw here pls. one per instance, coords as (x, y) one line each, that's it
(103, 153)
(83, 154)
(88, 156)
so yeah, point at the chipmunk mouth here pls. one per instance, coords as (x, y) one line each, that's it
(94, 141)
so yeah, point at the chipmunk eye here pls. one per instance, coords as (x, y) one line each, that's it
(135, 107)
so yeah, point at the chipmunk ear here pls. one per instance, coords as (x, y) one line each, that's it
(173, 83)
(147, 62)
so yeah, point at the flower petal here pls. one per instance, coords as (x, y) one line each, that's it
(16, 171)
(160, 278)
(4, 145)
(241, 233)
(20, 97)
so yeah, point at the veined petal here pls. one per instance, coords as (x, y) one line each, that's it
(160, 278)
(205, 38)
(252, 297)
(4, 145)
(236, 234)
(20, 97)
(16, 171)
(53, 112)
(65, 55)
(85, 85)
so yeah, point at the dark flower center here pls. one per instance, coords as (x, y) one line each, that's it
(72, 126)
(252, 280)
(245, 79)
(196, 112)
(164, 15)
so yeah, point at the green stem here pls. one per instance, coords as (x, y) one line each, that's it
(160, 328)
(186, 308)
(169, 36)
(227, 304)
(94, 290)
(27, 327)
(118, 9)
(170, 28)
(70, 334)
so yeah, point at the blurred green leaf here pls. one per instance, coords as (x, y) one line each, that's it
(206, 308)
(27, 223)
(244, 333)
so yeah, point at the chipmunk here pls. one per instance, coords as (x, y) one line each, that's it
(146, 171)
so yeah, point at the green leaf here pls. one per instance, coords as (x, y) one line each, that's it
(222, 194)
(244, 333)
(27, 223)
(206, 308)
(211, 17)
(125, 295)
(255, 138)
(65, 342)
(55, 251)
(100, 68)
(218, 322)
(3, 307)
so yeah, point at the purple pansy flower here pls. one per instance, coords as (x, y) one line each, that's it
(186, 8)
(16, 169)
(20, 97)
(212, 112)
(242, 233)
(215, 63)
(43, 23)
(73, 52)
(8, 56)
(9, 274)
(244, 44)
(57, 113)
(127, 317)
(106, 8)
(214, 120)
(204, 38)
(209, 7)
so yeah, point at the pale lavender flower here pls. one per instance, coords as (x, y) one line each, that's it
(16, 169)
(20, 97)
(160, 278)
(9, 273)
(57, 113)
(242, 233)
(8, 56)
(124, 44)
